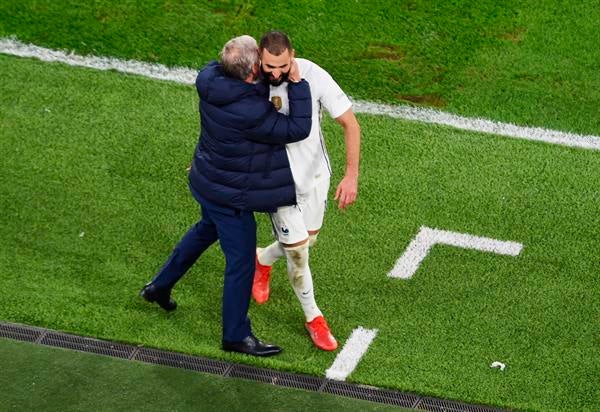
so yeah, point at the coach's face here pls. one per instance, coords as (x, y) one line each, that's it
(276, 69)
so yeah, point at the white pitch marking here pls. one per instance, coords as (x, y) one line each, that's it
(155, 71)
(424, 115)
(188, 76)
(354, 349)
(419, 247)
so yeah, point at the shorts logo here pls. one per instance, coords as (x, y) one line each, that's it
(285, 230)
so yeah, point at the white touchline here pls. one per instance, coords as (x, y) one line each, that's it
(419, 247)
(480, 125)
(154, 71)
(354, 349)
(14, 47)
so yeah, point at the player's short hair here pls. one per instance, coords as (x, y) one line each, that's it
(275, 42)
(238, 57)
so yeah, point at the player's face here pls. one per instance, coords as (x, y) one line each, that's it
(275, 69)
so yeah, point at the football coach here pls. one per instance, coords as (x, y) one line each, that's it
(240, 166)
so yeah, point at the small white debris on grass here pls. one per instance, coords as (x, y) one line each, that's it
(497, 364)
(82, 234)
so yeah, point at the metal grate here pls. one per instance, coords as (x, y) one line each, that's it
(288, 380)
(441, 405)
(179, 360)
(19, 332)
(100, 347)
(369, 393)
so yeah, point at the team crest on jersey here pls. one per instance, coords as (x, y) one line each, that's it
(276, 100)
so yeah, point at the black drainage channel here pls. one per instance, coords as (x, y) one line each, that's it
(159, 357)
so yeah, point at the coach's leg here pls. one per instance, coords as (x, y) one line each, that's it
(197, 239)
(237, 235)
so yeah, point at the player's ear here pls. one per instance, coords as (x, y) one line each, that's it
(293, 53)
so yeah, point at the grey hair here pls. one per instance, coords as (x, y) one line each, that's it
(239, 55)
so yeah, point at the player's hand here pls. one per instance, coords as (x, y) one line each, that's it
(346, 191)
(294, 75)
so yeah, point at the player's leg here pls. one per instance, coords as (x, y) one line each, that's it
(301, 279)
(313, 212)
(288, 228)
(266, 257)
(269, 255)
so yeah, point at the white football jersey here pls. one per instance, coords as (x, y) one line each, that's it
(308, 158)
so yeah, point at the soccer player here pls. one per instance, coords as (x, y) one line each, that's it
(296, 227)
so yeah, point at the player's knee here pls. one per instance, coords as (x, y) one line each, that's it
(292, 246)
(312, 239)
(297, 257)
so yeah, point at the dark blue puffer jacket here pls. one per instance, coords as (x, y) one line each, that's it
(240, 159)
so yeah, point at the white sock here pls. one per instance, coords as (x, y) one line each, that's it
(270, 254)
(301, 280)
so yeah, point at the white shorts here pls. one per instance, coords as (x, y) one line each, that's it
(292, 223)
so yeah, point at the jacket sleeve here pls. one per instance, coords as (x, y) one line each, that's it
(277, 128)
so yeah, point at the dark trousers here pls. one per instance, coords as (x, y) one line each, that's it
(237, 236)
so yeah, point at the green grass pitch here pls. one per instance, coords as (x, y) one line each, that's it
(94, 195)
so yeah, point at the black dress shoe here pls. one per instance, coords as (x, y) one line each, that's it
(161, 296)
(251, 346)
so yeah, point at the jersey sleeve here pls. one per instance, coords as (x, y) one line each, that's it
(332, 97)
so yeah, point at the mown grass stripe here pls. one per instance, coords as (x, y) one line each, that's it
(14, 47)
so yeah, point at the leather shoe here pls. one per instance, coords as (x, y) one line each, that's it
(252, 346)
(161, 296)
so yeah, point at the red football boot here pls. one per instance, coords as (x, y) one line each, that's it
(260, 285)
(321, 334)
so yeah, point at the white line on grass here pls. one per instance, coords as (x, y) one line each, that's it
(419, 247)
(481, 125)
(354, 349)
(154, 71)
(187, 76)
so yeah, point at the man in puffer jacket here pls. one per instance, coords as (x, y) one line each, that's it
(240, 166)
